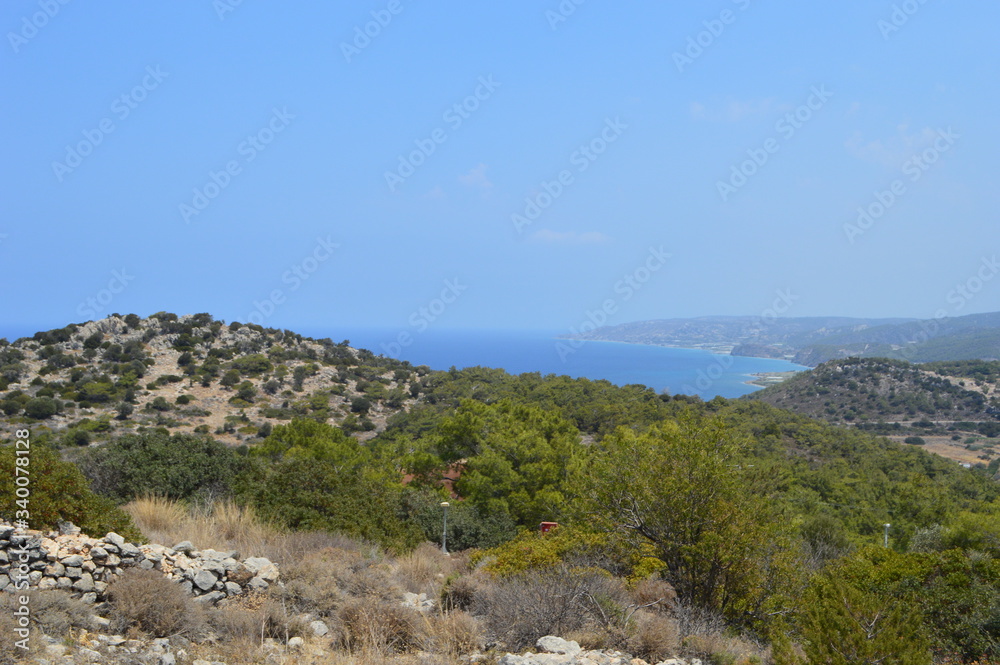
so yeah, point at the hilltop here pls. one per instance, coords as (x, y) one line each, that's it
(192, 374)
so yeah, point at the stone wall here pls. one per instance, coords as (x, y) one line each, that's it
(84, 566)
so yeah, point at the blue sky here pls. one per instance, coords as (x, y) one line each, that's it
(573, 162)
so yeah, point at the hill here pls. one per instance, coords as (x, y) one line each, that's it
(192, 374)
(953, 407)
(813, 340)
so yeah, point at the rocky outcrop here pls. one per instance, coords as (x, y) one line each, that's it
(84, 566)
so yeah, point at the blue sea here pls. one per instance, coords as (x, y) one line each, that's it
(678, 371)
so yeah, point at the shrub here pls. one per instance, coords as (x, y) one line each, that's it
(178, 466)
(520, 609)
(41, 408)
(455, 633)
(60, 493)
(654, 637)
(148, 601)
(915, 440)
(379, 626)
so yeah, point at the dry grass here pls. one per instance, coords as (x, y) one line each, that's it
(426, 568)
(370, 625)
(454, 633)
(146, 601)
(223, 525)
(654, 637)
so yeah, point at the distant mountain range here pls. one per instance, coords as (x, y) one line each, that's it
(814, 340)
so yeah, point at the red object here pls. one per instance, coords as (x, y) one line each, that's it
(545, 527)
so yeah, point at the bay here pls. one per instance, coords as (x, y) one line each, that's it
(678, 371)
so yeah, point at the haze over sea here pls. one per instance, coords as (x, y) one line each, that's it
(679, 371)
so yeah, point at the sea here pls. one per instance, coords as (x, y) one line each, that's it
(676, 371)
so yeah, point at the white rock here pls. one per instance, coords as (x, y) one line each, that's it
(553, 644)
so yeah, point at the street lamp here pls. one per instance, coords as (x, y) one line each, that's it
(887, 534)
(444, 531)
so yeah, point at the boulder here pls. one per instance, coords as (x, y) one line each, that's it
(553, 644)
(205, 580)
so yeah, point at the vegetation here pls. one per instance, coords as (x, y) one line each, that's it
(686, 527)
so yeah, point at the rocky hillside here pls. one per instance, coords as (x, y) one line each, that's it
(192, 374)
(954, 407)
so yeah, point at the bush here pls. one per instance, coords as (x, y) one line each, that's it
(379, 626)
(178, 467)
(915, 440)
(468, 526)
(60, 493)
(41, 408)
(148, 601)
(520, 609)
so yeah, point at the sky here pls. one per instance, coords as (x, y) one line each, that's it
(516, 165)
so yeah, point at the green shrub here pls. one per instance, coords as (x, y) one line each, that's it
(59, 493)
(177, 467)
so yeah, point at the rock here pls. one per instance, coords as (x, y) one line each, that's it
(98, 553)
(262, 568)
(91, 655)
(114, 539)
(184, 546)
(89, 598)
(85, 583)
(146, 564)
(241, 575)
(233, 589)
(68, 529)
(318, 628)
(257, 584)
(168, 659)
(211, 597)
(55, 570)
(73, 561)
(129, 550)
(553, 644)
(74, 573)
(296, 643)
(205, 580)
(55, 650)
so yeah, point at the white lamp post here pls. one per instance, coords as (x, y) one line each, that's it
(887, 534)
(444, 531)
